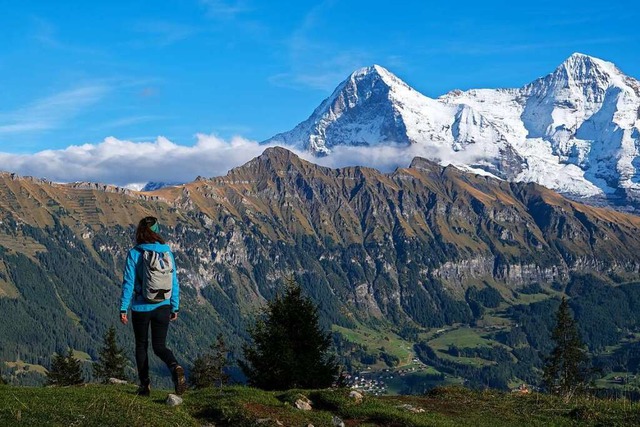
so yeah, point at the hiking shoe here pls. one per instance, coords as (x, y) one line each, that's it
(179, 381)
(144, 390)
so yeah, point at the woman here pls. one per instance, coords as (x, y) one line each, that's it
(142, 272)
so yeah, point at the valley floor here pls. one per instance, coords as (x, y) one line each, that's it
(95, 405)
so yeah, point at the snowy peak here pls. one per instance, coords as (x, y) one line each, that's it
(586, 112)
(376, 73)
(575, 130)
(361, 111)
(580, 76)
(584, 69)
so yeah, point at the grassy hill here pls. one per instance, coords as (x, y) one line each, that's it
(243, 406)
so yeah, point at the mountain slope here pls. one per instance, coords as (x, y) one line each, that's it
(575, 130)
(371, 248)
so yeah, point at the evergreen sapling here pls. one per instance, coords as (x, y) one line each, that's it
(209, 369)
(111, 360)
(566, 368)
(289, 349)
(65, 370)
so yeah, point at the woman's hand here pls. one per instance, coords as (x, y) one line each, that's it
(173, 316)
(123, 318)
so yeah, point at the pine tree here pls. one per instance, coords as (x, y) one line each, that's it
(209, 369)
(565, 371)
(111, 360)
(290, 350)
(65, 370)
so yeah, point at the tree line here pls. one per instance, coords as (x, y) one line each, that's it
(289, 349)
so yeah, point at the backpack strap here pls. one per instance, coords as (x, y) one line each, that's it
(137, 285)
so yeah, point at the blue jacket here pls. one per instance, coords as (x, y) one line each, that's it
(130, 282)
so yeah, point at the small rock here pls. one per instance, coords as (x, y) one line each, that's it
(411, 408)
(337, 422)
(174, 400)
(268, 421)
(303, 403)
(117, 381)
(357, 397)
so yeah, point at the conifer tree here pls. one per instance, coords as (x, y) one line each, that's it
(566, 367)
(209, 369)
(111, 360)
(65, 370)
(289, 348)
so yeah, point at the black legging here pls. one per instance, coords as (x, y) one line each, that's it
(159, 320)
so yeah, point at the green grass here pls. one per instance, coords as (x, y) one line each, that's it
(22, 366)
(87, 406)
(374, 340)
(530, 298)
(8, 290)
(461, 337)
(82, 356)
(70, 314)
(97, 405)
(22, 244)
(632, 381)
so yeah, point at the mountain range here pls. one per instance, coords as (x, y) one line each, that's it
(576, 130)
(410, 249)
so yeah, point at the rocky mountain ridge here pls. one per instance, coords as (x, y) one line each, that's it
(282, 196)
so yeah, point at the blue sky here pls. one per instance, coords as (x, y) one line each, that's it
(74, 72)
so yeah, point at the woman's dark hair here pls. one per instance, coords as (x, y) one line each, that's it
(144, 234)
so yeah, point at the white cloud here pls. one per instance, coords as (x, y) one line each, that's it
(119, 162)
(131, 164)
(386, 158)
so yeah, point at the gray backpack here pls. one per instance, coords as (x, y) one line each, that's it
(156, 276)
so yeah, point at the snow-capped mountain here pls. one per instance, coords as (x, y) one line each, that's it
(151, 185)
(575, 130)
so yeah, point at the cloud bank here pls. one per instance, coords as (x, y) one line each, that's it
(133, 164)
(126, 163)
